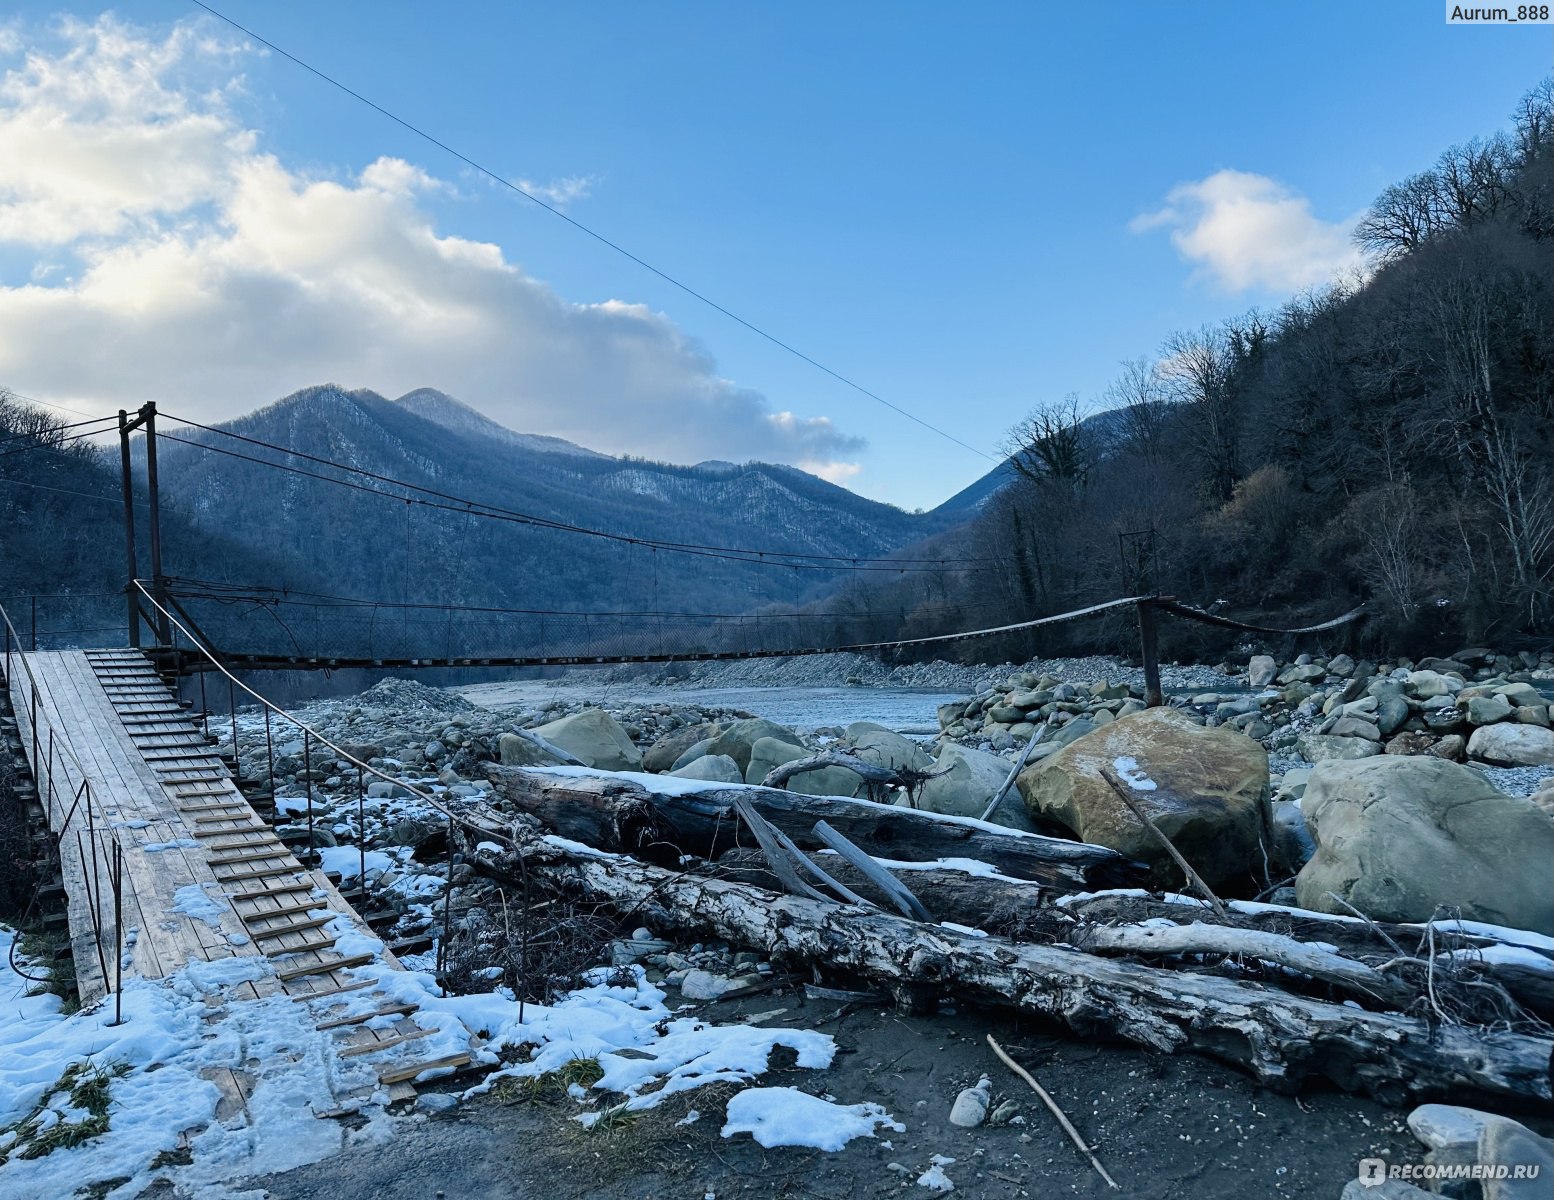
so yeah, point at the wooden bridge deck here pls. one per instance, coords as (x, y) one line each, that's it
(204, 877)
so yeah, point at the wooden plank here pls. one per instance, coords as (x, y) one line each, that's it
(215, 847)
(389, 1010)
(245, 876)
(273, 891)
(374, 1047)
(286, 910)
(316, 946)
(296, 927)
(324, 967)
(215, 833)
(259, 853)
(405, 1074)
(325, 993)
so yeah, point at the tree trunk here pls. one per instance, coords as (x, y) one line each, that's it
(624, 816)
(1281, 1039)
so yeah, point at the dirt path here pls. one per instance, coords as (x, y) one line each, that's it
(1167, 1128)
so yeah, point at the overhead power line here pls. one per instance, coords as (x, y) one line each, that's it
(450, 503)
(598, 237)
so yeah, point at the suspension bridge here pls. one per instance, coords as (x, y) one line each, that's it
(166, 857)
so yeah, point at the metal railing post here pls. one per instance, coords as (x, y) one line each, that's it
(1149, 646)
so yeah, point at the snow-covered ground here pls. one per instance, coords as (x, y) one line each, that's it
(84, 1100)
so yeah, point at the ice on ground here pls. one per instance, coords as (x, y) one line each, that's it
(347, 860)
(1132, 774)
(785, 1116)
(196, 904)
(611, 1015)
(934, 1178)
(180, 844)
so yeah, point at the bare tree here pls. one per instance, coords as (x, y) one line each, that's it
(1050, 446)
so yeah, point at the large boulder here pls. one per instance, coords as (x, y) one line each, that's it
(769, 753)
(715, 768)
(1261, 670)
(1513, 745)
(666, 752)
(885, 747)
(969, 779)
(1206, 789)
(515, 751)
(1321, 747)
(738, 738)
(1399, 836)
(596, 738)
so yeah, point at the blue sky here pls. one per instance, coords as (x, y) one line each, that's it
(968, 209)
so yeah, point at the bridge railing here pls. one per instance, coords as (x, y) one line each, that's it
(64, 789)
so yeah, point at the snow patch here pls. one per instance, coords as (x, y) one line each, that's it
(785, 1116)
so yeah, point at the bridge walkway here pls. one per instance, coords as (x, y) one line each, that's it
(203, 876)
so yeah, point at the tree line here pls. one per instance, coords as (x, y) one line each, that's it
(1382, 439)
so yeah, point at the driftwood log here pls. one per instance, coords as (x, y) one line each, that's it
(623, 816)
(1281, 1038)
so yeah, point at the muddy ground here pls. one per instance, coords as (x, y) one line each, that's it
(1167, 1128)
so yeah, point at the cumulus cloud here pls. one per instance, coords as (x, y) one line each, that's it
(1247, 231)
(177, 260)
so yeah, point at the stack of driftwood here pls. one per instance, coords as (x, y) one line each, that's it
(932, 907)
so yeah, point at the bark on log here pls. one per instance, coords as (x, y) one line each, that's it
(1280, 1038)
(1200, 938)
(1531, 988)
(621, 815)
(954, 896)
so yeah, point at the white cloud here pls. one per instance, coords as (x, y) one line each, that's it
(560, 192)
(202, 272)
(1248, 231)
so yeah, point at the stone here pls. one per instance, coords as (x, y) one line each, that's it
(885, 747)
(1004, 714)
(1293, 844)
(1520, 694)
(1410, 743)
(950, 713)
(1384, 1189)
(1453, 748)
(595, 737)
(1391, 712)
(1303, 674)
(714, 768)
(968, 784)
(1341, 665)
(1399, 836)
(1442, 665)
(770, 753)
(692, 753)
(1320, 748)
(1508, 1146)
(738, 738)
(1533, 714)
(970, 1107)
(515, 751)
(1443, 720)
(1452, 1126)
(436, 1102)
(664, 754)
(1209, 794)
(703, 985)
(1261, 670)
(1355, 727)
(1424, 684)
(1487, 710)
(362, 751)
(1513, 745)
(1544, 799)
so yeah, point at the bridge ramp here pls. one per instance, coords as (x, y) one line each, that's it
(203, 876)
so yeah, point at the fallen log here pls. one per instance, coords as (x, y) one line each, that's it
(1282, 1039)
(1375, 941)
(1199, 938)
(662, 819)
(976, 901)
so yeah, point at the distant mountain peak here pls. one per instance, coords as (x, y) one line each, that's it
(452, 414)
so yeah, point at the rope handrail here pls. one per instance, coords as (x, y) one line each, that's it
(1207, 618)
(213, 658)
